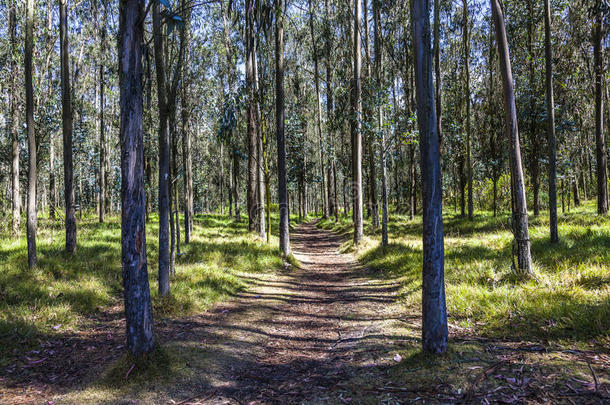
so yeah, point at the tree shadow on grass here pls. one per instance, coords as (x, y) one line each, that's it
(502, 306)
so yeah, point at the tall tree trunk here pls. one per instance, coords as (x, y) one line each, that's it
(437, 72)
(356, 129)
(372, 205)
(235, 183)
(550, 113)
(32, 220)
(187, 161)
(260, 155)
(66, 102)
(52, 183)
(535, 142)
(279, 125)
(222, 183)
(332, 190)
(251, 117)
(14, 124)
(173, 207)
(520, 220)
(138, 308)
(412, 182)
(492, 130)
(164, 152)
(103, 153)
(466, 39)
(600, 142)
(378, 78)
(324, 194)
(434, 312)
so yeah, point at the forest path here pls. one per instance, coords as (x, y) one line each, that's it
(318, 334)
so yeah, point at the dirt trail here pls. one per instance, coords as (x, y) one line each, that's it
(303, 337)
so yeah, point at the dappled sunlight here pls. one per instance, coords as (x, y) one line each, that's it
(64, 291)
(568, 299)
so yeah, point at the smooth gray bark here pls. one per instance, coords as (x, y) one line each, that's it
(520, 219)
(279, 125)
(550, 112)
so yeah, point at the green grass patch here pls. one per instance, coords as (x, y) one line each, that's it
(569, 299)
(64, 291)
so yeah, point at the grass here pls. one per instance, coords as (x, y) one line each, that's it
(63, 292)
(569, 300)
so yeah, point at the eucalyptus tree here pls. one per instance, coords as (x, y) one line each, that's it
(14, 120)
(102, 145)
(66, 102)
(434, 311)
(519, 214)
(550, 112)
(164, 153)
(138, 308)
(32, 219)
(279, 129)
(602, 159)
(251, 116)
(356, 128)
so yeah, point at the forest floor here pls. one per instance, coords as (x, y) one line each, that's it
(330, 331)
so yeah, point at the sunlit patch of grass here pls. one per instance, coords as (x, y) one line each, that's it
(568, 299)
(64, 290)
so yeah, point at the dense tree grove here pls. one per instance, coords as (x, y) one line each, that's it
(170, 108)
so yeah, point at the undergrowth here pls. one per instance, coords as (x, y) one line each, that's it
(568, 299)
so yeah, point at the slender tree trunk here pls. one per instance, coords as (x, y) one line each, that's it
(279, 117)
(492, 129)
(138, 309)
(173, 224)
(148, 125)
(324, 194)
(576, 191)
(412, 182)
(600, 142)
(260, 154)
(372, 204)
(563, 197)
(534, 164)
(550, 112)
(32, 220)
(66, 101)
(14, 123)
(466, 39)
(332, 190)
(102, 168)
(187, 160)
(437, 72)
(378, 78)
(356, 130)
(164, 152)
(235, 183)
(222, 183)
(251, 117)
(520, 220)
(434, 312)
(52, 185)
